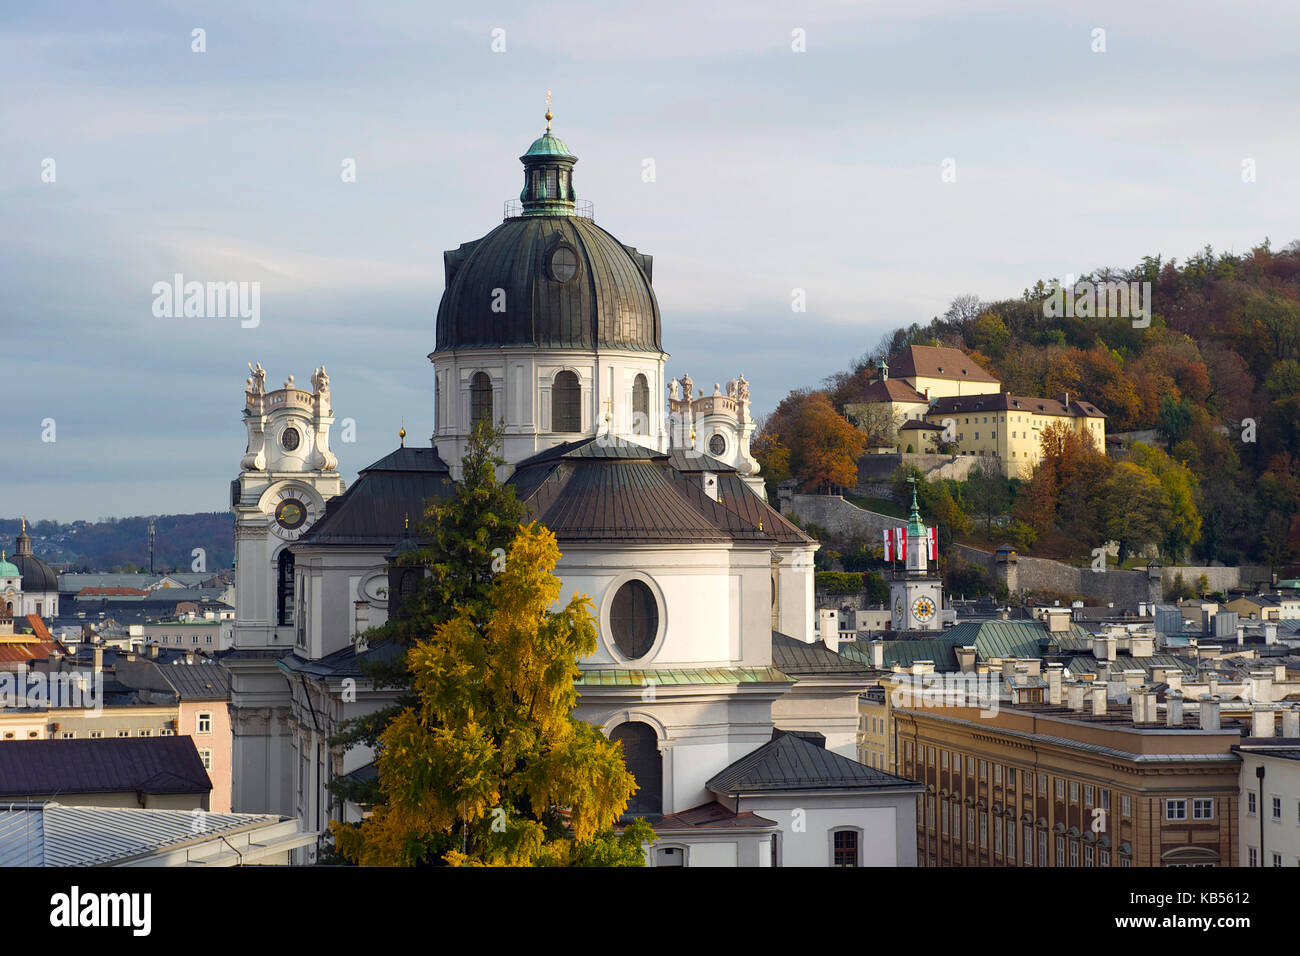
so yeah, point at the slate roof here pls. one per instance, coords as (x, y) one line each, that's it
(199, 681)
(935, 362)
(55, 835)
(373, 511)
(154, 765)
(797, 659)
(1005, 401)
(606, 490)
(712, 816)
(345, 662)
(679, 676)
(792, 763)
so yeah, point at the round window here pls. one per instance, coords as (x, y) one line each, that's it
(717, 445)
(634, 619)
(564, 263)
(290, 439)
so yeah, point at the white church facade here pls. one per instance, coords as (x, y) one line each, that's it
(731, 717)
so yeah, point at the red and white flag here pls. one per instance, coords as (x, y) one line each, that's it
(889, 544)
(932, 542)
(902, 543)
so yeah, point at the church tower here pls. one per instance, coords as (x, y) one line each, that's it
(917, 595)
(286, 475)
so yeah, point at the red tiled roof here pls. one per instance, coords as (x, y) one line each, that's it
(891, 390)
(39, 628)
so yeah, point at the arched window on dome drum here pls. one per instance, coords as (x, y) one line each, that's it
(284, 588)
(640, 406)
(634, 619)
(566, 403)
(480, 398)
(644, 762)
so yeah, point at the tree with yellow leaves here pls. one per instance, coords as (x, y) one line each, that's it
(489, 766)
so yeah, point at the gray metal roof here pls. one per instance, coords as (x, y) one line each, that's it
(792, 763)
(799, 659)
(203, 680)
(374, 510)
(608, 304)
(57, 835)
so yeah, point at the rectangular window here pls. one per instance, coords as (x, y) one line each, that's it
(1029, 846)
(1042, 849)
(846, 848)
(1277, 859)
(1074, 853)
(96, 734)
(205, 723)
(146, 732)
(970, 824)
(984, 831)
(165, 732)
(1060, 788)
(1074, 790)
(68, 734)
(943, 759)
(1105, 799)
(124, 733)
(1175, 809)
(1250, 801)
(1125, 805)
(997, 836)
(1277, 808)
(1089, 856)
(929, 756)
(970, 764)
(1060, 851)
(1011, 840)
(1042, 783)
(206, 757)
(997, 773)
(1254, 857)
(1203, 808)
(943, 818)
(1089, 794)
(984, 769)
(1103, 858)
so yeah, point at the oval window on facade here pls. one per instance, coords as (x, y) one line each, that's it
(563, 263)
(634, 619)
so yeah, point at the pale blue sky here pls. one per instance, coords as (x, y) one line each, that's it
(775, 170)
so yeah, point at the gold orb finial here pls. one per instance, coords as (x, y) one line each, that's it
(549, 117)
(24, 531)
(402, 433)
(408, 521)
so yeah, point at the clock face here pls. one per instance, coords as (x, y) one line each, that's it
(292, 515)
(290, 439)
(717, 445)
(923, 608)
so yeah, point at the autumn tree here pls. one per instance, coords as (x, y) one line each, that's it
(457, 543)
(824, 447)
(1132, 507)
(987, 494)
(489, 761)
(1182, 521)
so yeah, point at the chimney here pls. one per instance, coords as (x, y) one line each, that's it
(878, 655)
(1209, 712)
(1075, 691)
(1270, 632)
(1262, 685)
(1291, 722)
(1143, 702)
(1142, 645)
(1174, 678)
(1174, 709)
(99, 659)
(828, 624)
(1103, 647)
(965, 659)
(1054, 675)
(1261, 721)
(153, 651)
(1099, 701)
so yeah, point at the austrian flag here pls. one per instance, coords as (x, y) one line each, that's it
(896, 544)
(932, 543)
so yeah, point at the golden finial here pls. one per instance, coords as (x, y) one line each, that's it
(402, 433)
(408, 521)
(549, 117)
(24, 531)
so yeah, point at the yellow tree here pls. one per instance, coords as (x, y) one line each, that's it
(489, 764)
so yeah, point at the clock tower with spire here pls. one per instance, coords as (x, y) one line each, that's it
(916, 595)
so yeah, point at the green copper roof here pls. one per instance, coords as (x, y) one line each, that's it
(9, 570)
(914, 527)
(548, 144)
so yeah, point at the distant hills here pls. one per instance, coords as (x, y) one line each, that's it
(122, 544)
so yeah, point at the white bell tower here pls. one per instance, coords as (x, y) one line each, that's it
(286, 475)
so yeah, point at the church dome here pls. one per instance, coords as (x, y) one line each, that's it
(37, 576)
(548, 276)
(8, 570)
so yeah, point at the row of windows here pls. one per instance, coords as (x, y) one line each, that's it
(566, 402)
(180, 638)
(203, 725)
(1004, 839)
(1252, 803)
(1252, 858)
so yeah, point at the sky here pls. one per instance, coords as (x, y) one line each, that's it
(775, 168)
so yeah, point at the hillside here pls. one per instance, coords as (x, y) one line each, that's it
(1215, 373)
(122, 544)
